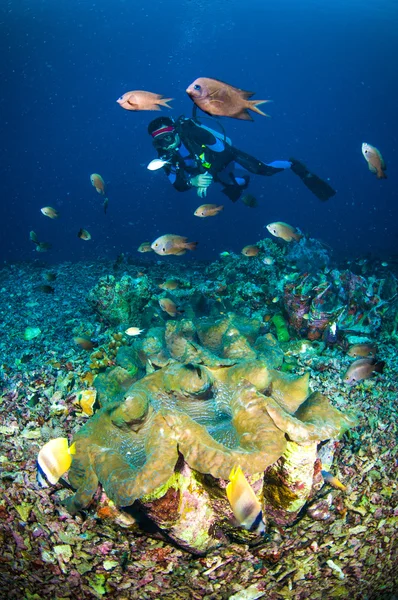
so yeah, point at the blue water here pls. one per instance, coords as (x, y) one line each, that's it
(329, 67)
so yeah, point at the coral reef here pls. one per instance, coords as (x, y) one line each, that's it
(341, 544)
(166, 450)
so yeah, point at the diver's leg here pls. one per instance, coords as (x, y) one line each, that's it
(234, 182)
(316, 185)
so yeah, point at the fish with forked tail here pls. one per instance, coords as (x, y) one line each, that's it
(142, 100)
(172, 244)
(218, 98)
(363, 369)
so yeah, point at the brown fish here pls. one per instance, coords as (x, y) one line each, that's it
(208, 210)
(144, 247)
(84, 342)
(250, 250)
(98, 183)
(172, 244)
(362, 350)
(218, 98)
(284, 231)
(375, 160)
(83, 234)
(140, 100)
(169, 307)
(48, 211)
(362, 369)
(169, 284)
(46, 289)
(249, 200)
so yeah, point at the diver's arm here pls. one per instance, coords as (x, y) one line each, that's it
(179, 179)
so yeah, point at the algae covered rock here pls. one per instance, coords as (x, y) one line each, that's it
(120, 301)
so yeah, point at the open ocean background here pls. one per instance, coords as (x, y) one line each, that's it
(329, 67)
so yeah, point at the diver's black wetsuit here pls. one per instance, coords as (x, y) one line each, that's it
(203, 151)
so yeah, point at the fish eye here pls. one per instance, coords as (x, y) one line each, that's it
(197, 87)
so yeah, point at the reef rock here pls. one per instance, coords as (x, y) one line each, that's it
(119, 301)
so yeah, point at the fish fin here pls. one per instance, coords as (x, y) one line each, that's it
(164, 101)
(180, 253)
(72, 449)
(253, 105)
(218, 209)
(190, 245)
(215, 101)
(243, 115)
(381, 174)
(372, 168)
(155, 107)
(245, 94)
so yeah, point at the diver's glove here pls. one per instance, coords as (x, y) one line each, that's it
(201, 182)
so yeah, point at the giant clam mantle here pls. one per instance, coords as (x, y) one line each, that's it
(165, 448)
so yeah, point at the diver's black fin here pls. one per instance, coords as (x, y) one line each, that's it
(321, 189)
(233, 192)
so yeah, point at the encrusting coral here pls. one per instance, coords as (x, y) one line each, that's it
(167, 448)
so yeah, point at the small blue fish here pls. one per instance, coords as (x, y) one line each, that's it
(333, 481)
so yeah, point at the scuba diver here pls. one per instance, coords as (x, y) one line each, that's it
(193, 156)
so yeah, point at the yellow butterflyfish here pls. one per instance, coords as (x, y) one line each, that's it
(54, 459)
(244, 502)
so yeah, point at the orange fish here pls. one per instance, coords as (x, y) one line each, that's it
(169, 307)
(250, 250)
(84, 342)
(375, 160)
(83, 234)
(208, 210)
(218, 98)
(48, 211)
(362, 350)
(145, 247)
(98, 183)
(169, 284)
(362, 369)
(140, 100)
(284, 231)
(172, 244)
